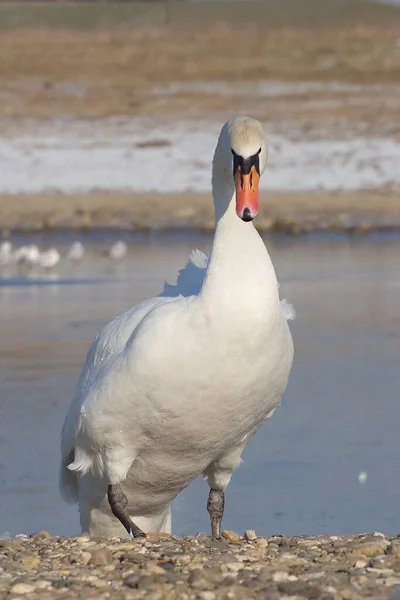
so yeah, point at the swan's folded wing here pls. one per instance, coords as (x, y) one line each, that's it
(109, 343)
(95, 437)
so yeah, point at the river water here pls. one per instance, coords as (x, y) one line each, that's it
(301, 473)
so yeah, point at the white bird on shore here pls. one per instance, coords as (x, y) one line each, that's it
(76, 252)
(118, 250)
(28, 255)
(5, 252)
(48, 259)
(176, 386)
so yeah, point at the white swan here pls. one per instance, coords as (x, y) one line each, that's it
(176, 386)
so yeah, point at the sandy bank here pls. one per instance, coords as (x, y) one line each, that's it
(289, 212)
(162, 566)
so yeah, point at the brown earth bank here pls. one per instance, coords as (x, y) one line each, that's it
(50, 73)
(236, 567)
(97, 60)
(291, 212)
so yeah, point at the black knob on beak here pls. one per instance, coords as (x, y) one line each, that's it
(247, 215)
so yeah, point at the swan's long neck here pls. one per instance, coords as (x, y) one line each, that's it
(240, 275)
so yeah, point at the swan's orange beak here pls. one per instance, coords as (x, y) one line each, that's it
(246, 193)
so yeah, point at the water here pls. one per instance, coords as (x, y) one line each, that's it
(339, 417)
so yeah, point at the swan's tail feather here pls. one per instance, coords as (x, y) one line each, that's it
(81, 462)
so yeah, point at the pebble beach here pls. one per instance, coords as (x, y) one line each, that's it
(199, 567)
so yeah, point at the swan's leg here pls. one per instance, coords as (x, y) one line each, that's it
(118, 503)
(218, 475)
(215, 506)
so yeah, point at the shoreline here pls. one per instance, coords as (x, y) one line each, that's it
(336, 567)
(284, 212)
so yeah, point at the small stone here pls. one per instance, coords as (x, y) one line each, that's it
(156, 570)
(30, 560)
(60, 584)
(219, 544)
(154, 595)
(299, 588)
(22, 588)
(250, 535)
(206, 595)
(380, 572)
(150, 582)
(264, 575)
(102, 556)
(279, 576)
(349, 594)
(309, 543)
(330, 589)
(360, 564)
(394, 548)
(222, 557)
(154, 536)
(292, 559)
(132, 581)
(315, 575)
(389, 581)
(123, 546)
(96, 581)
(231, 536)
(42, 584)
(40, 535)
(82, 539)
(370, 549)
(234, 566)
(84, 558)
(131, 557)
(261, 542)
(201, 580)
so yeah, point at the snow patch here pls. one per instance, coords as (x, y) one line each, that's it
(118, 155)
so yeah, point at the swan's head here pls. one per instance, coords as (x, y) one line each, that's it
(239, 161)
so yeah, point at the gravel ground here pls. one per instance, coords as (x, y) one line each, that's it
(199, 567)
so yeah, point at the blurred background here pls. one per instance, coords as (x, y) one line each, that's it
(109, 115)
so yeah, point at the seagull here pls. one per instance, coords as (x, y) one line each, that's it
(118, 250)
(76, 252)
(48, 259)
(5, 252)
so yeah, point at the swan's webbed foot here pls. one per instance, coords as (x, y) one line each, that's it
(118, 503)
(215, 506)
